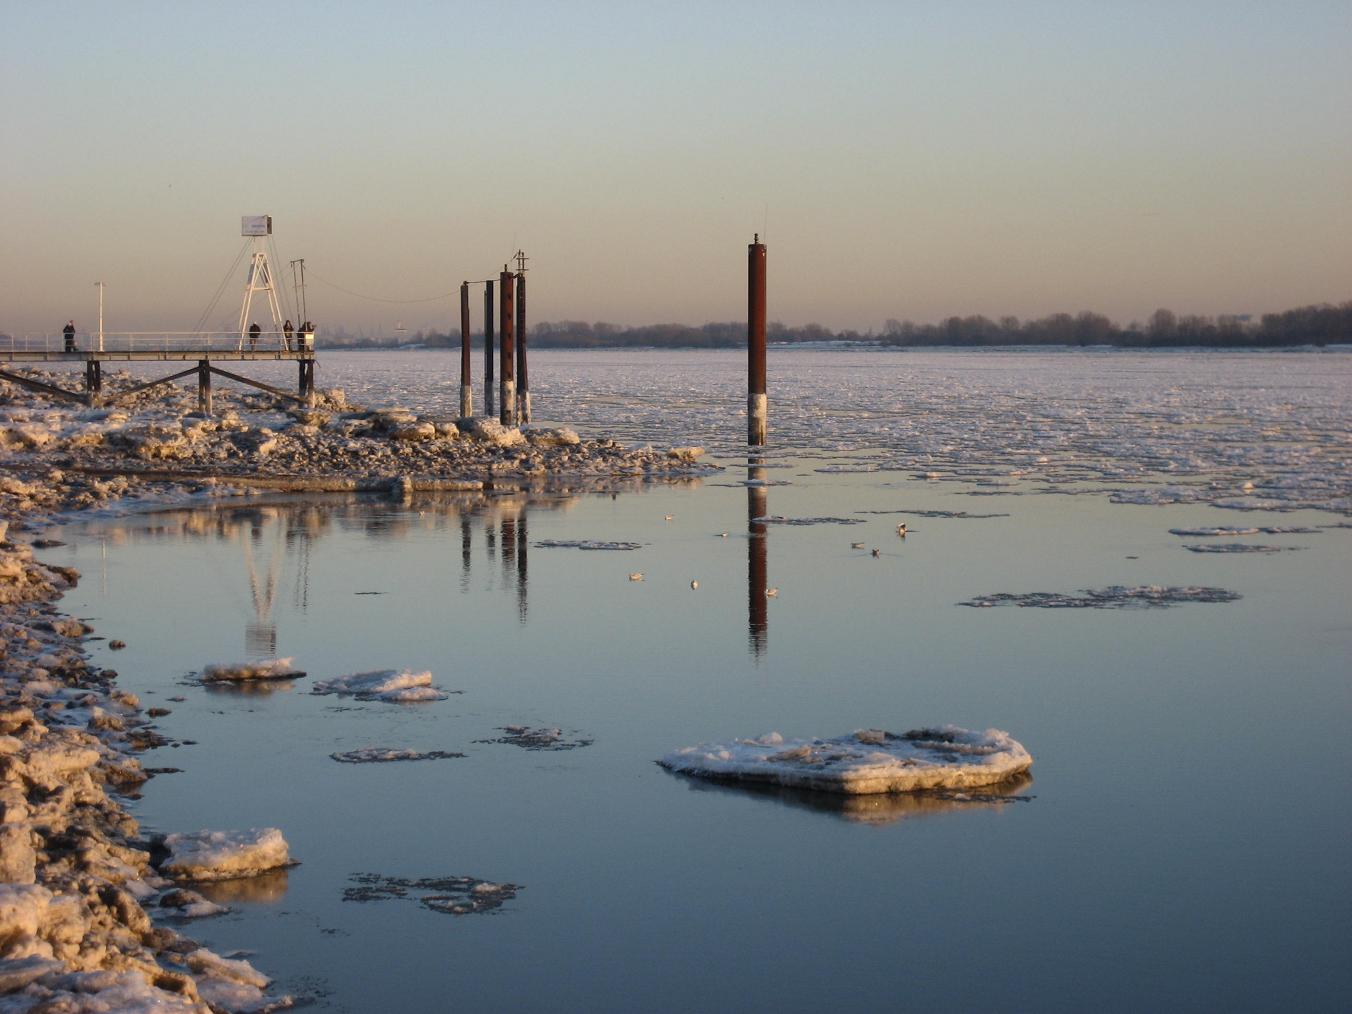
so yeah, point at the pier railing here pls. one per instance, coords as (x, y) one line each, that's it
(160, 341)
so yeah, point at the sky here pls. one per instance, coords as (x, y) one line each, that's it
(900, 160)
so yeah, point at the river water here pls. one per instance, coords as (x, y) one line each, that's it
(1183, 843)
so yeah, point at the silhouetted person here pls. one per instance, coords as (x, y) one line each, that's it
(69, 332)
(287, 332)
(254, 332)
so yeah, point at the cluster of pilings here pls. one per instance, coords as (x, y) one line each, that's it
(513, 384)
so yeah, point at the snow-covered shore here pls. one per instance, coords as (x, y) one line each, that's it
(78, 882)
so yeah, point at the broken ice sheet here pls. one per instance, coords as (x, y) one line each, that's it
(776, 519)
(268, 669)
(451, 895)
(1199, 533)
(220, 855)
(386, 754)
(399, 686)
(864, 762)
(536, 739)
(1239, 547)
(1114, 597)
(592, 544)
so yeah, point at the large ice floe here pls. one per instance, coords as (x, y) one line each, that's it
(222, 855)
(399, 686)
(239, 672)
(1149, 596)
(864, 762)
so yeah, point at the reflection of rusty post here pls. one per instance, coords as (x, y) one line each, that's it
(508, 538)
(466, 555)
(466, 393)
(522, 383)
(756, 408)
(507, 385)
(522, 570)
(489, 310)
(757, 559)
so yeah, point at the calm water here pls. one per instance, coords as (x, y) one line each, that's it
(1187, 843)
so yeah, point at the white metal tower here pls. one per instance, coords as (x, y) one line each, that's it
(260, 275)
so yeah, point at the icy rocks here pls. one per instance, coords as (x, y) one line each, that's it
(560, 437)
(400, 686)
(221, 855)
(868, 761)
(268, 669)
(490, 431)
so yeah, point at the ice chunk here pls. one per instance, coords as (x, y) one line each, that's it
(219, 855)
(268, 669)
(397, 685)
(385, 754)
(868, 761)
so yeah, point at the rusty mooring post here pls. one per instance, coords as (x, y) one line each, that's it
(489, 310)
(507, 385)
(204, 387)
(757, 410)
(522, 379)
(466, 392)
(93, 381)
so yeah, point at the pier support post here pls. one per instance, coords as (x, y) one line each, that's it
(93, 381)
(522, 379)
(466, 392)
(507, 401)
(307, 381)
(757, 408)
(489, 311)
(204, 387)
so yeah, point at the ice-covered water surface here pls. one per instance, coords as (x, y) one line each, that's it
(1266, 428)
(1178, 848)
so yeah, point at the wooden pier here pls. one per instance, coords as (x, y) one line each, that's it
(203, 360)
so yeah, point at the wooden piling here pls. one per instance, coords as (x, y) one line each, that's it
(757, 409)
(466, 392)
(522, 378)
(204, 387)
(93, 381)
(489, 311)
(507, 385)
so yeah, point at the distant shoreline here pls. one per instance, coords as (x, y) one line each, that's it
(866, 346)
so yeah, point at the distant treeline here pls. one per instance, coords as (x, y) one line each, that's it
(1307, 325)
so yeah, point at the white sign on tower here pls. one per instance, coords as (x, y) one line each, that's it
(255, 225)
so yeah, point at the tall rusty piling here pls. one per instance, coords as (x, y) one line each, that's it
(489, 311)
(522, 378)
(506, 322)
(204, 387)
(466, 392)
(757, 409)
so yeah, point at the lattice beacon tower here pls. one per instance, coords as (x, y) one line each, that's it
(259, 279)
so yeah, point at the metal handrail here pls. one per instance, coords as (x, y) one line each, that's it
(161, 341)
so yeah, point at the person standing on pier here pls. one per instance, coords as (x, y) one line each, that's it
(69, 332)
(254, 332)
(287, 332)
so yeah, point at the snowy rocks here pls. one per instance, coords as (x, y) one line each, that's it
(222, 855)
(559, 437)
(489, 431)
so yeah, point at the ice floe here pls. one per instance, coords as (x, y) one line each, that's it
(220, 855)
(399, 686)
(586, 544)
(450, 895)
(1201, 533)
(529, 738)
(1239, 547)
(386, 754)
(864, 762)
(239, 672)
(777, 519)
(1113, 597)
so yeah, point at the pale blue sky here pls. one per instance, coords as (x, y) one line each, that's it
(904, 160)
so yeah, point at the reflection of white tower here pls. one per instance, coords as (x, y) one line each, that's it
(260, 274)
(260, 637)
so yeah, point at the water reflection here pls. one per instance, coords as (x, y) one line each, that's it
(879, 808)
(263, 889)
(757, 562)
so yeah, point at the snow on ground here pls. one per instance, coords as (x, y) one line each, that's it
(399, 686)
(220, 855)
(867, 761)
(269, 669)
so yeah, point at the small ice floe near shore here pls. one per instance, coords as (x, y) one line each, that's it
(451, 895)
(536, 739)
(398, 686)
(239, 672)
(222, 855)
(948, 515)
(1204, 533)
(778, 519)
(1240, 547)
(594, 544)
(865, 762)
(387, 754)
(185, 904)
(1115, 597)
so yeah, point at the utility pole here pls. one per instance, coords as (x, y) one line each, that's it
(299, 288)
(100, 287)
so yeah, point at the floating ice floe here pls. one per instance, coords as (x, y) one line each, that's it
(451, 895)
(220, 855)
(961, 515)
(1203, 533)
(1239, 547)
(386, 754)
(536, 739)
(400, 686)
(586, 544)
(187, 904)
(777, 519)
(239, 672)
(1115, 597)
(865, 762)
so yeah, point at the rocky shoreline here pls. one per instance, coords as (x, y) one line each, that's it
(78, 880)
